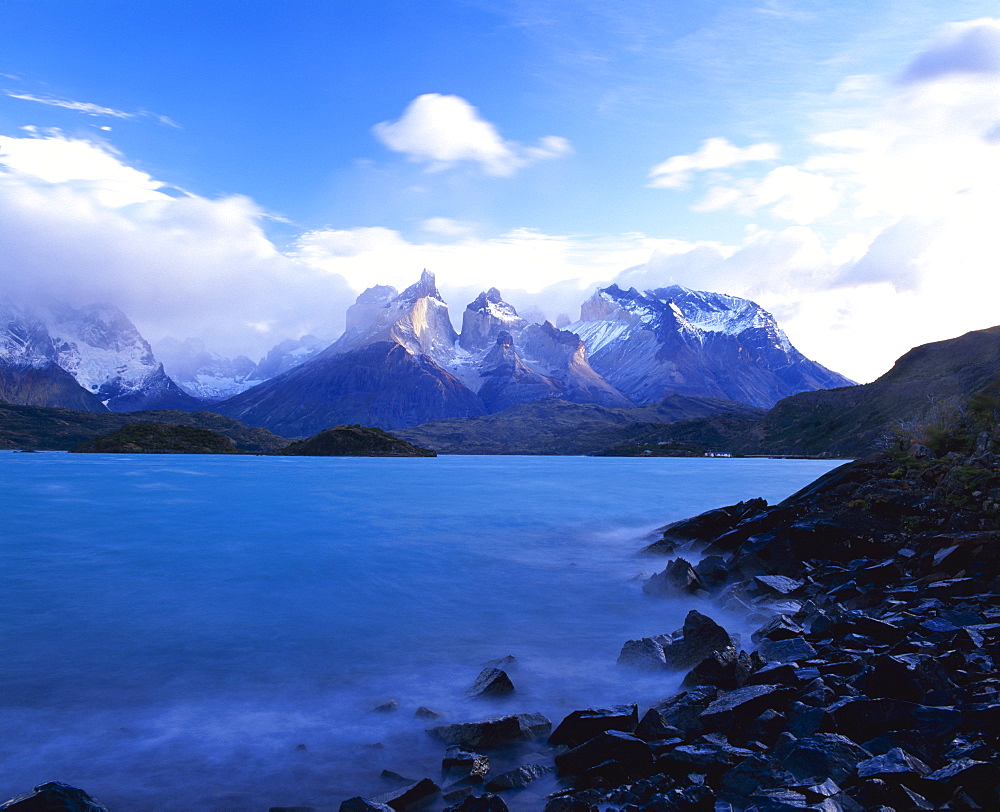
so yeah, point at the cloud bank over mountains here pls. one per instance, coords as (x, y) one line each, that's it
(864, 238)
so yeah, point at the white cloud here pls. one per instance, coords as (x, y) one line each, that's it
(522, 258)
(788, 192)
(447, 227)
(97, 168)
(965, 48)
(713, 154)
(443, 131)
(80, 223)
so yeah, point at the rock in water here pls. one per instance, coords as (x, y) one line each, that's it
(492, 682)
(496, 731)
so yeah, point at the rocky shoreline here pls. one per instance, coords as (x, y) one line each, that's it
(870, 684)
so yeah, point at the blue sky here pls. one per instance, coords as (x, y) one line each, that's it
(240, 170)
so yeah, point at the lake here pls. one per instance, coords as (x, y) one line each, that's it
(212, 633)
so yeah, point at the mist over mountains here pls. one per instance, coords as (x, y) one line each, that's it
(400, 362)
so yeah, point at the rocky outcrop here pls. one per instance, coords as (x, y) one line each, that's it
(872, 682)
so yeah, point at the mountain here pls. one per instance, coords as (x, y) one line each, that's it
(553, 426)
(400, 363)
(695, 343)
(96, 346)
(211, 377)
(928, 389)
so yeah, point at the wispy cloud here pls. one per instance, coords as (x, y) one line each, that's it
(443, 131)
(89, 108)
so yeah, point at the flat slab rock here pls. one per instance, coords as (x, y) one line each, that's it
(496, 731)
(744, 704)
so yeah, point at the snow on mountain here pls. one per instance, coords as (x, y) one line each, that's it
(400, 362)
(485, 318)
(98, 346)
(674, 340)
(286, 355)
(24, 339)
(212, 377)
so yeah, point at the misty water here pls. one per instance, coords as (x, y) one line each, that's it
(212, 632)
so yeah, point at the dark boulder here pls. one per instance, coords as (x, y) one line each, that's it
(737, 708)
(753, 773)
(979, 780)
(491, 683)
(479, 803)
(628, 752)
(823, 755)
(862, 718)
(653, 728)
(464, 765)
(699, 637)
(792, 649)
(359, 804)
(53, 796)
(409, 796)
(678, 578)
(683, 711)
(706, 526)
(896, 766)
(683, 649)
(910, 677)
(518, 778)
(702, 757)
(726, 670)
(712, 571)
(583, 725)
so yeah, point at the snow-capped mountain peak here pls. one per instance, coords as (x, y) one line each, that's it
(689, 342)
(485, 318)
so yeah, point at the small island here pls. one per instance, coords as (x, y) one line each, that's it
(158, 438)
(354, 441)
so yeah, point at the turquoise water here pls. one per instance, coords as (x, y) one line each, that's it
(175, 629)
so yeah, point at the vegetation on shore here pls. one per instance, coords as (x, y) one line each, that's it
(52, 429)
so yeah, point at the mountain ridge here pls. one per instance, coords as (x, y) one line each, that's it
(628, 349)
